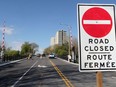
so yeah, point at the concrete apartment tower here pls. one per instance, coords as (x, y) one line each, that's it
(60, 38)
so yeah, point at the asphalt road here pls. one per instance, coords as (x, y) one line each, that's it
(45, 72)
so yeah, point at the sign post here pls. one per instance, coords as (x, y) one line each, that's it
(99, 79)
(97, 39)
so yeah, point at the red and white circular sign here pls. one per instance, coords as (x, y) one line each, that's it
(97, 22)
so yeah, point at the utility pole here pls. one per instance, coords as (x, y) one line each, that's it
(62, 37)
(69, 40)
(69, 43)
(3, 42)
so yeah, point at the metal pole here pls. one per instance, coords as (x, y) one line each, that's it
(69, 27)
(69, 43)
(62, 37)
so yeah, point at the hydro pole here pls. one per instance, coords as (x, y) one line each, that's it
(3, 42)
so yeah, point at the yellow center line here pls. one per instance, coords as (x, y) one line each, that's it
(64, 78)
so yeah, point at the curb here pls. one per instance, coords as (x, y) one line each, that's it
(3, 64)
(68, 62)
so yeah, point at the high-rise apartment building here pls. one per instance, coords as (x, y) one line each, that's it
(60, 38)
(52, 41)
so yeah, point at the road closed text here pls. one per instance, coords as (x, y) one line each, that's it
(99, 55)
(101, 46)
(100, 65)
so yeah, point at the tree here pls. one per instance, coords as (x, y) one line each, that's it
(11, 55)
(26, 49)
(48, 50)
(34, 47)
(61, 51)
(75, 45)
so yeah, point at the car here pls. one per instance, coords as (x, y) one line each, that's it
(51, 55)
(38, 55)
(43, 55)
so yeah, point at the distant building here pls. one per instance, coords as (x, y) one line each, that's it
(52, 41)
(60, 38)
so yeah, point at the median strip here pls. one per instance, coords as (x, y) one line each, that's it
(64, 78)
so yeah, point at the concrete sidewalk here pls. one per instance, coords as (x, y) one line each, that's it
(68, 61)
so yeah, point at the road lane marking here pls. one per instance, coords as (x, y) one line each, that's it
(24, 74)
(42, 66)
(64, 78)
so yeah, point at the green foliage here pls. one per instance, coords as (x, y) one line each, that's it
(56, 48)
(48, 50)
(26, 49)
(12, 53)
(34, 47)
(60, 51)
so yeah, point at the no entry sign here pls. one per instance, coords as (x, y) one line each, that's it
(97, 22)
(97, 45)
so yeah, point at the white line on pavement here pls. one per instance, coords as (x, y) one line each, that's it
(42, 66)
(24, 74)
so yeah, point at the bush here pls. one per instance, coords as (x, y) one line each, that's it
(11, 55)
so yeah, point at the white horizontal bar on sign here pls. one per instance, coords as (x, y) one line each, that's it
(96, 21)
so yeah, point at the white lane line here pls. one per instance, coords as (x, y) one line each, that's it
(24, 74)
(96, 22)
(42, 66)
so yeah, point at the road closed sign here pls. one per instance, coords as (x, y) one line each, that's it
(97, 37)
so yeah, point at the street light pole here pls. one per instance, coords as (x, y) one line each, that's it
(69, 42)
